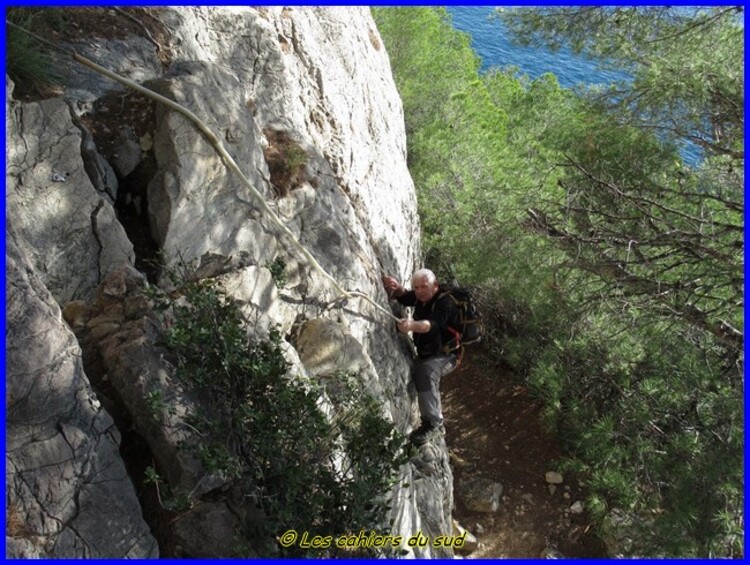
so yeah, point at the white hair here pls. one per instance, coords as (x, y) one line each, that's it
(426, 274)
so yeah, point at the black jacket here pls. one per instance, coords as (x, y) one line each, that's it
(441, 311)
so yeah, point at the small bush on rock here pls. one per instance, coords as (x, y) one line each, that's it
(286, 161)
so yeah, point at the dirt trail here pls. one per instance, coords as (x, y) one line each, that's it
(494, 430)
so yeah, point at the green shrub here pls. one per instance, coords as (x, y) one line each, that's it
(278, 271)
(267, 434)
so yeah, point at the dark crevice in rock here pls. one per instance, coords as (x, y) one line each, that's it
(132, 212)
(135, 453)
(121, 124)
(95, 231)
(137, 456)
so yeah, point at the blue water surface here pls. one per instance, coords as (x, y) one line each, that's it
(491, 40)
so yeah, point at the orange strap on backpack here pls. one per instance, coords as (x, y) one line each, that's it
(459, 347)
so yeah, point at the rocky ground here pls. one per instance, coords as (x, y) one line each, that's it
(494, 431)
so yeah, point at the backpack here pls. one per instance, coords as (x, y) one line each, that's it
(469, 322)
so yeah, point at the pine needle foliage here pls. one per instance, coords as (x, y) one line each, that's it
(611, 271)
(27, 62)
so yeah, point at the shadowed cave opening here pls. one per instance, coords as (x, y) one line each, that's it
(131, 208)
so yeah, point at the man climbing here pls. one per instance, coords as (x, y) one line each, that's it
(433, 314)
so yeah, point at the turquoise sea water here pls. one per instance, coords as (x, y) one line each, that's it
(492, 42)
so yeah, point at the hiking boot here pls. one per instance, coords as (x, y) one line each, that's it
(424, 433)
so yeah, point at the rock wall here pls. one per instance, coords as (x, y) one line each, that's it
(270, 82)
(67, 229)
(67, 490)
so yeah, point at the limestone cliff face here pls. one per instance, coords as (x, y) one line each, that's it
(68, 493)
(267, 81)
(68, 230)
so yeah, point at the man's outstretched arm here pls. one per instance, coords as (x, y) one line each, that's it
(392, 287)
(416, 326)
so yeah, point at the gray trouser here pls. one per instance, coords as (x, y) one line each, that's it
(427, 374)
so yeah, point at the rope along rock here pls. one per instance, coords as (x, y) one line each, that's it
(229, 162)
